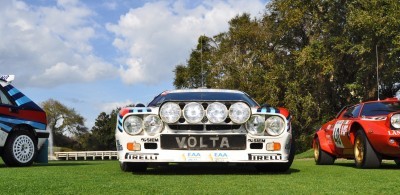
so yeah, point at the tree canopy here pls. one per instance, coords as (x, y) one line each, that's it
(64, 123)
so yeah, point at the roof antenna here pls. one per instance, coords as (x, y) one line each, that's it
(377, 69)
(201, 61)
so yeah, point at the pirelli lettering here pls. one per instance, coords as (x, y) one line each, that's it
(264, 157)
(141, 156)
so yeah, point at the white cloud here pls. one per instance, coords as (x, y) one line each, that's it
(54, 43)
(158, 36)
(108, 107)
(49, 45)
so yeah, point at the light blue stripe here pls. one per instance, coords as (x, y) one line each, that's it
(23, 100)
(136, 110)
(13, 91)
(5, 127)
(120, 119)
(264, 110)
(272, 110)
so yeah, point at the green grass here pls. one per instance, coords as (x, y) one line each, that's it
(105, 177)
(307, 154)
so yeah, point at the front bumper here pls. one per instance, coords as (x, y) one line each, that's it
(260, 149)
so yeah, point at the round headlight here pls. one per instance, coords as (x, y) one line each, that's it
(193, 112)
(217, 112)
(170, 112)
(133, 125)
(395, 120)
(239, 112)
(275, 125)
(152, 124)
(256, 125)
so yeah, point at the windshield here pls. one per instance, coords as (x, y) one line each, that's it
(202, 96)
(380, 108)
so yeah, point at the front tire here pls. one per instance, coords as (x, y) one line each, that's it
(365, 156)
(397, 161)
(321, 157)
(125, 167)
(20, 149)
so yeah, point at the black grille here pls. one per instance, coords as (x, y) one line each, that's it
(185, 127)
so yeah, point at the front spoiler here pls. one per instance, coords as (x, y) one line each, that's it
(183, 156)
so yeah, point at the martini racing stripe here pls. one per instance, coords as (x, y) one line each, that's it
(5, 127)
(268, 110)
(120, 123)
(139, 110)
(35, 125)
(13, 91)
(22, 100)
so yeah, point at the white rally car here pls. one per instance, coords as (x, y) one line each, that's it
(204, 125)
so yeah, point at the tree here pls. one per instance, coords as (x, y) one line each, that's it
(65, 123)
(196, 73)
(104, 130)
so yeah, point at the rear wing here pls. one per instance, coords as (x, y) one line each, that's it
(7, 78)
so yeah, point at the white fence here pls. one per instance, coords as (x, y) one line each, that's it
(93, 155)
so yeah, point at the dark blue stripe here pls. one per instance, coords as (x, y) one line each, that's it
(18, 95)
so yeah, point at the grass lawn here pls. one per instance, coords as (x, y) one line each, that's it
(105, 177)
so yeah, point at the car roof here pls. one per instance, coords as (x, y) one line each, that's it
(385, 100)
(204, 90)
(6, 79)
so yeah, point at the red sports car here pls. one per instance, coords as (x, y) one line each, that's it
(367, 132)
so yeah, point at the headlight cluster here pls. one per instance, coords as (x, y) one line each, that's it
(395, 121)
(151, 124)
(273, 125)
(216, 112)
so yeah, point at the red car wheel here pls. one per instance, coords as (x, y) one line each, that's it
(321, 157)
(364, 155)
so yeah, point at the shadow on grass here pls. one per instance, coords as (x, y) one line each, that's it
(207, 169)
(52, 164)
(384, 165)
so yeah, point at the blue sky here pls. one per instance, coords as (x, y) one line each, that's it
(96, 55)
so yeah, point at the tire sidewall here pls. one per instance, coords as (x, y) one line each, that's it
(9, 155)
(371, 159)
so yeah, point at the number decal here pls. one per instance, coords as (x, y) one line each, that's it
(336, 134)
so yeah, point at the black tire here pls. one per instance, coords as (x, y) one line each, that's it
(397, 161)
(278, 167)
(20, 149)
(321, 157)
(125, 167)
(365, 156)
(133, 167)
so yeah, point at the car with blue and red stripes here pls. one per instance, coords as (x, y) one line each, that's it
(22, 125)
(196, 126)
